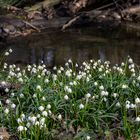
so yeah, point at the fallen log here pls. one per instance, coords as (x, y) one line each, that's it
(132, 10)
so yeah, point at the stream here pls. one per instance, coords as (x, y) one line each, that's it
(55, 47)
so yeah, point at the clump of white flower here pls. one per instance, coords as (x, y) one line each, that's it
(54, 76)
(68, 89)
(104, 93)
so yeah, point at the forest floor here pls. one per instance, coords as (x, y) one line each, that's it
(23, 20)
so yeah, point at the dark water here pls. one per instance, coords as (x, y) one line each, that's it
(56, 47)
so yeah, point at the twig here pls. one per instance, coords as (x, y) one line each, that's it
(29, 24)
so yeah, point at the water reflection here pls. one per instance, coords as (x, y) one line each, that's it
(55, 48)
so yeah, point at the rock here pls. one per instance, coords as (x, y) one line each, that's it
(9, 29)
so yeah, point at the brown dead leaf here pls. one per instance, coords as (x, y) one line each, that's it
(4, 134)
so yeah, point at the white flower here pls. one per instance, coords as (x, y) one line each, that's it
(3, 83)
(20, 128)
(101, 87)
(115, 95)
(118, 104)
(8, 101)
(70, 61)
(54, 76)
(21, 95)
(10, 50)
(45, 113)
(6, 53)
(88, 95)
(66, 97)
(38, 115)
(46, 81)
(127, 106)
(76, 65)
(25, 128)
(33, 119)
(43, 98)
(95, 83)
(23, 117)
(42, 121)
(6, 111)
(87, 79)
(12, 94)
(18, 69)
(37, 123)
(124, 86)
(38, 87)
(28, 124)
(49, 106)
(61, 68)
(81, 106)
(133, 106)
(100, 69)
(75, 83)
(41, 108)
(127, 102)
(130, 60)
(13, 106)
(68, 73)
(20, 80)
(19, 120)
(6, 90)
(34, 95)
(138, 78)
(59, 117)
(69, 90)
(49, 111)
(103, 93)
(105, 99)
(137, 100)
(138, 119)
(88, 138)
